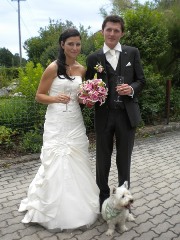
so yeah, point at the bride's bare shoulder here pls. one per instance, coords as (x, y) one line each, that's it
(50, 71)
(81, 69)
(53, 66)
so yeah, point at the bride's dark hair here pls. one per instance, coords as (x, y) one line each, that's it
(61, 60)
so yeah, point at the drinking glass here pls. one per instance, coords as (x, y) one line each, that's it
(67, 91)
(119, 81)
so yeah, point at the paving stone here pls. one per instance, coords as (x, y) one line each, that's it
(9, 204)
(162, 227)
(6, 216)
(13, 236)
(31, 237)
(3, 224)
(174, 219)
(146, 236)
(152, 196)
(142, 209)
(166, 236)
(159, 218)
(4, 195)
(12, 228)
(88, 234)
(170, 204)
(143, 218)
(52, 238)
(156, 210)
(28, 231)
(176, 228)
(144, 227)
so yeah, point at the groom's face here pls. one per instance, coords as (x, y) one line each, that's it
(112, 33)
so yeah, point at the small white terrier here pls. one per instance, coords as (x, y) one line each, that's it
(115, 209)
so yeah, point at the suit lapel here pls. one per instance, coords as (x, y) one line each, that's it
(102, 60)
(123, 60)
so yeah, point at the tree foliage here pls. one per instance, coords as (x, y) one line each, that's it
(146, 30)
(170, 63)
(7, 59)
(44, 48)
(29, 78)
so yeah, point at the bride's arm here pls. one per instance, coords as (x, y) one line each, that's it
(44, 86)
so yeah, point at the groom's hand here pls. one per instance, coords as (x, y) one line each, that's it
(124, 89)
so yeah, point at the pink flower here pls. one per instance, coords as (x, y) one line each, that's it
(94, 90)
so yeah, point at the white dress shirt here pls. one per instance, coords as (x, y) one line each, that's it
(109, 57)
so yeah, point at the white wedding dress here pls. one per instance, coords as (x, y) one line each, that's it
(63, 194)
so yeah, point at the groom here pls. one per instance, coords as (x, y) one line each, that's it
(113, 118)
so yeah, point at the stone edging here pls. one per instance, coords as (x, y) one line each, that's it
(153, 130)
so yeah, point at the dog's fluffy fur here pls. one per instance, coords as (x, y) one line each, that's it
(115, 209)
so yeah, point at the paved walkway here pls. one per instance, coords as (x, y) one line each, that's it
(155, 177)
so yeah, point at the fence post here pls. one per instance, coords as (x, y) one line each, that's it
(168, 90)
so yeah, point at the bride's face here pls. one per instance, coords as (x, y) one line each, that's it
(72, 47)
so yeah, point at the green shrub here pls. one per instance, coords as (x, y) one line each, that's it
(7, 75)
(21, 113)
(29, 78)
(5, 136)
(152, 98)
(32, 141)
(88, 116)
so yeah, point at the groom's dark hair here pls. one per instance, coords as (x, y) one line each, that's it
(114, 19)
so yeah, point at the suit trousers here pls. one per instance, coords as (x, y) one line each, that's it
(118, 132)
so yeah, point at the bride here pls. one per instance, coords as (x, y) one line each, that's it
(63, 194)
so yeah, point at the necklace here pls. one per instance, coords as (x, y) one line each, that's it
(69, 68)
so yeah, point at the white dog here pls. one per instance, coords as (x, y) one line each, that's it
(115, 209)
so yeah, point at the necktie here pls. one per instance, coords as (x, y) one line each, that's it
(113, 59)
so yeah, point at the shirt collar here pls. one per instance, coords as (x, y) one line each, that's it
(117, 48)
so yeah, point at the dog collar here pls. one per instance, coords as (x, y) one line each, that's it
(110, 212)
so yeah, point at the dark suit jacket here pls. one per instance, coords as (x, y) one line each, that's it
(133, 75)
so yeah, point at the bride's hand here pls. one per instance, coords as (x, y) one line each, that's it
(62, 98)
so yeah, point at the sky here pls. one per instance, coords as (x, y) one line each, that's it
(35, 14)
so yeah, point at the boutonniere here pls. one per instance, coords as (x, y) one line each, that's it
(99, 68)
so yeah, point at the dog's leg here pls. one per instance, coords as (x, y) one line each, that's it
(130, 217)
(110, 230)
(122, 225)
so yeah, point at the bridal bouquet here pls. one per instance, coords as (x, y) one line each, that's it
(94, 90)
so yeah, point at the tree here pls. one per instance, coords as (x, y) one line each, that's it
(44, 47)
(146, 30)
(6, 57)
(118, 7)
(170, 62)
(165, 4)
